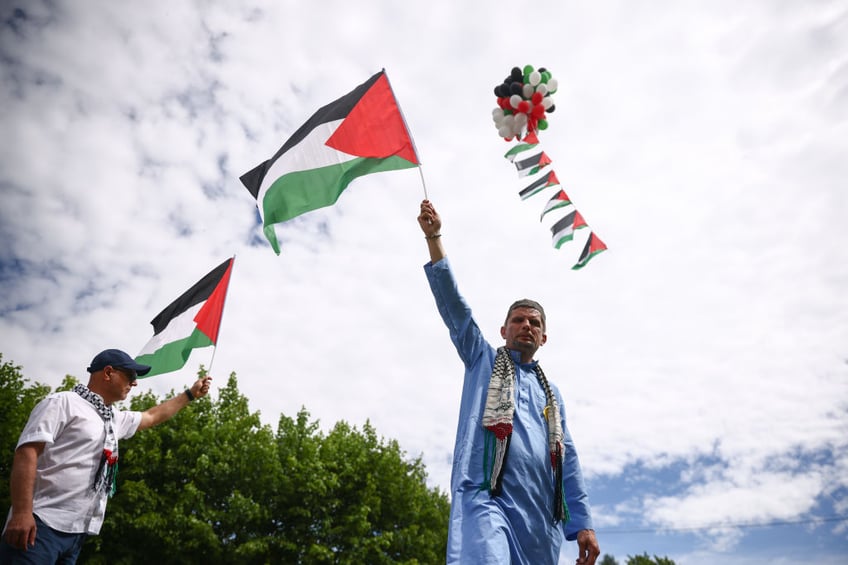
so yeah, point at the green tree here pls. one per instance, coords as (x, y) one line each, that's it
(214, 485)
(645, 560)
(372, 505)
(608, 560)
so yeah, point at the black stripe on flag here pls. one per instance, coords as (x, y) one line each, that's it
(333, 111)
(564, 223)
(536, 186)
(529, 162)
(193, 296)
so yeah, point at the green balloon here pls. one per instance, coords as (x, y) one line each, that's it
(528, 69)
(543, 124)
(546, 76)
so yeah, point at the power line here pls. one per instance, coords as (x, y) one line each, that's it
(727, 525)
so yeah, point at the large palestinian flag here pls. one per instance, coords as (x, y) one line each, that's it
(189, 322)
(362, 132)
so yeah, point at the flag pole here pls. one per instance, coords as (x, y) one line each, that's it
(424, 184)
(221, 321)
(406, 125)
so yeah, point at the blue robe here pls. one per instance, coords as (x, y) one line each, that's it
(515, 527)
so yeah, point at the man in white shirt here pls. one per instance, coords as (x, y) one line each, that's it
(66, 460)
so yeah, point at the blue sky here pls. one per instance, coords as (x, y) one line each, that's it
(703, 358)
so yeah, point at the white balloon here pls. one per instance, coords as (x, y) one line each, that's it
(497, 112)
(547, 102)
(535, 78)
(509, 120)
(542, 88)
(527, 90)
(505, 132)
(552, 85)
(514, 100)
(521, 119)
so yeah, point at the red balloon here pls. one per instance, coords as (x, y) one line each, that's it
(537, 98)
(538, 111)
(524, 106)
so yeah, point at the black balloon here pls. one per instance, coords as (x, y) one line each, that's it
(517, 75)
(551, 109)
(516, 88)
(542, 69)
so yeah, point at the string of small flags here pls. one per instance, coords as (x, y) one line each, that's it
(524, 101)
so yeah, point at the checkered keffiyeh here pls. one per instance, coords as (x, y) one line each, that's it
(497, 420)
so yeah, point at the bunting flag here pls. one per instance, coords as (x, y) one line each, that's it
(549, 179)
(362, 132)
(189, 322)
(579, 222)
(563, 230)
(594, 245)
(558, 200)
(532, 165)
(529, 142)
(524, 103)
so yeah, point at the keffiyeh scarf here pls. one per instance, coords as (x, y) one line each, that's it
(107, 471)
(497, 420)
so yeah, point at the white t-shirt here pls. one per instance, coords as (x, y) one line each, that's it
(74, 436)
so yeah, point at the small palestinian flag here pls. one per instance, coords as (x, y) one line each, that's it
(563, 230)
(189, 322)
(532, 165)
(529, 142)
(594, 245)
(558, 200)
(549, 179)
(362, 132)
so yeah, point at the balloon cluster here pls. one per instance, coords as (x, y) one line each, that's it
(524, 100)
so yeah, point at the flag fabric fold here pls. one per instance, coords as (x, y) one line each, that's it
(191, 321)
(532, 165)
(563, 230)
(537, 186)
(529, 142)
(362, 132)
(557, 201)
(594, 245)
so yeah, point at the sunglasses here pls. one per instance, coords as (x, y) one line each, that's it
(129, 373)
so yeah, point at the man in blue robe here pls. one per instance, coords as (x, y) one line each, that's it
(516, 485)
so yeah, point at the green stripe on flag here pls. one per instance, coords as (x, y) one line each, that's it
(173, 356)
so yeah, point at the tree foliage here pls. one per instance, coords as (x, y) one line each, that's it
(645, 560)
(608, 560)
(215, 485)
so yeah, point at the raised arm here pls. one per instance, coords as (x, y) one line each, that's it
(431, 225)
(161, 412)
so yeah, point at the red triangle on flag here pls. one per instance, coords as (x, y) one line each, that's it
(208, 318)
(531, 138)
(544, 160)
(595, 244)
(579, 222)
(374, 127)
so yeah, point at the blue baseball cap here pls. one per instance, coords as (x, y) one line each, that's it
(117, 359)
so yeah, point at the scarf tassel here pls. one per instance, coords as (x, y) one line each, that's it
(560, 506)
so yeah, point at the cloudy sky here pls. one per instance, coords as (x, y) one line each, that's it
(703, 357)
